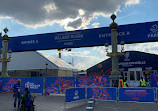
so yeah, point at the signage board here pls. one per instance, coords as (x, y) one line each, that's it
(132, 33)
(34, 84)
(75, 94)
(136, 94)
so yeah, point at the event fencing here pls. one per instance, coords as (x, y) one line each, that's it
(115, 94)
(80, 88)
(55, 85)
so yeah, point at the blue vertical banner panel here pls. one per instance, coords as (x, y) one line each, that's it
(157, 94)
(35, 84)
(0, 84)
(8, 83)
(154, 80)
(136, 94)
(58, 85)
(75, 94)
(105, 94)
(93, 81)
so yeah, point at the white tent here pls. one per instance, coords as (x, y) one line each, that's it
(31, 60)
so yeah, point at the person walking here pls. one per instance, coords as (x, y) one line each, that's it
(17, 89)
(142, 82)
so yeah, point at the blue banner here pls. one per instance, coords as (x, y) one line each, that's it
(35, 84)
(136, 94)
(0, 84)
(58, 85)
(133, 33)
(8, 83)
(154, 80)
(75, 94)
(102, 94)
(93, 81)
(157, 94)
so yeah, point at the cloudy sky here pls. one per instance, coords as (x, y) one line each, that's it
(45, 16)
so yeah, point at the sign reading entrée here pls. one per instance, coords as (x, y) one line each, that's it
(133, 33)
(136, 94)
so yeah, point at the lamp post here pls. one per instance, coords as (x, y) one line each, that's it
(46, 69)
(115, 74)
(4, 53)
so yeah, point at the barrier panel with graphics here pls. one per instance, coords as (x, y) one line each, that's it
(156, 95)
(35, 84)
(58, 85)
(8, 83)
(154, 80)
(136, 94)
(75, 94)
(104, 94)
(93, 81)
(0, 84)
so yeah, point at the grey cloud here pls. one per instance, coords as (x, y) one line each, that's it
(75, 23)
(32, 12)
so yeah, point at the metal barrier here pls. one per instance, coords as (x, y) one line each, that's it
(75, 94)
(136, 95)
(102, 93)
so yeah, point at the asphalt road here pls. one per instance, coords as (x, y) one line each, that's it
(57, 103)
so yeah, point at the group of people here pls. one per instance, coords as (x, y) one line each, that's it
(123, 83)
(17, 90)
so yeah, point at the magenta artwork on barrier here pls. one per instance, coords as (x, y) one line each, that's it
(93, 81)
(59, 86)
(156, 78)
(8, 86)
(101, 94)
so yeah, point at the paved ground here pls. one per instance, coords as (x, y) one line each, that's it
(56, 103)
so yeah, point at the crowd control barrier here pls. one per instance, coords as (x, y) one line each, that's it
(35, 84)
(154, 80)
(104, 94)
(95, 87)
(57, 85)
(75, 94)
(93, 81)
(8, 83)
(0, 84)
(136, 94)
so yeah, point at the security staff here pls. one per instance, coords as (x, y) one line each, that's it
(124, 84)
(120, 82)
(142, 82)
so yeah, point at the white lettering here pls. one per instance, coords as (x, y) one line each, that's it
(152, 35)
(29, 42)
(68, 43)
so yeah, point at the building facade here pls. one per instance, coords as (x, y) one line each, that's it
(133, 65)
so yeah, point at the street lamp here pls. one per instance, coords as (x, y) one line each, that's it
(122, 43)
(115, 74)
(106, 47)
(46, 69)
(3, 54)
